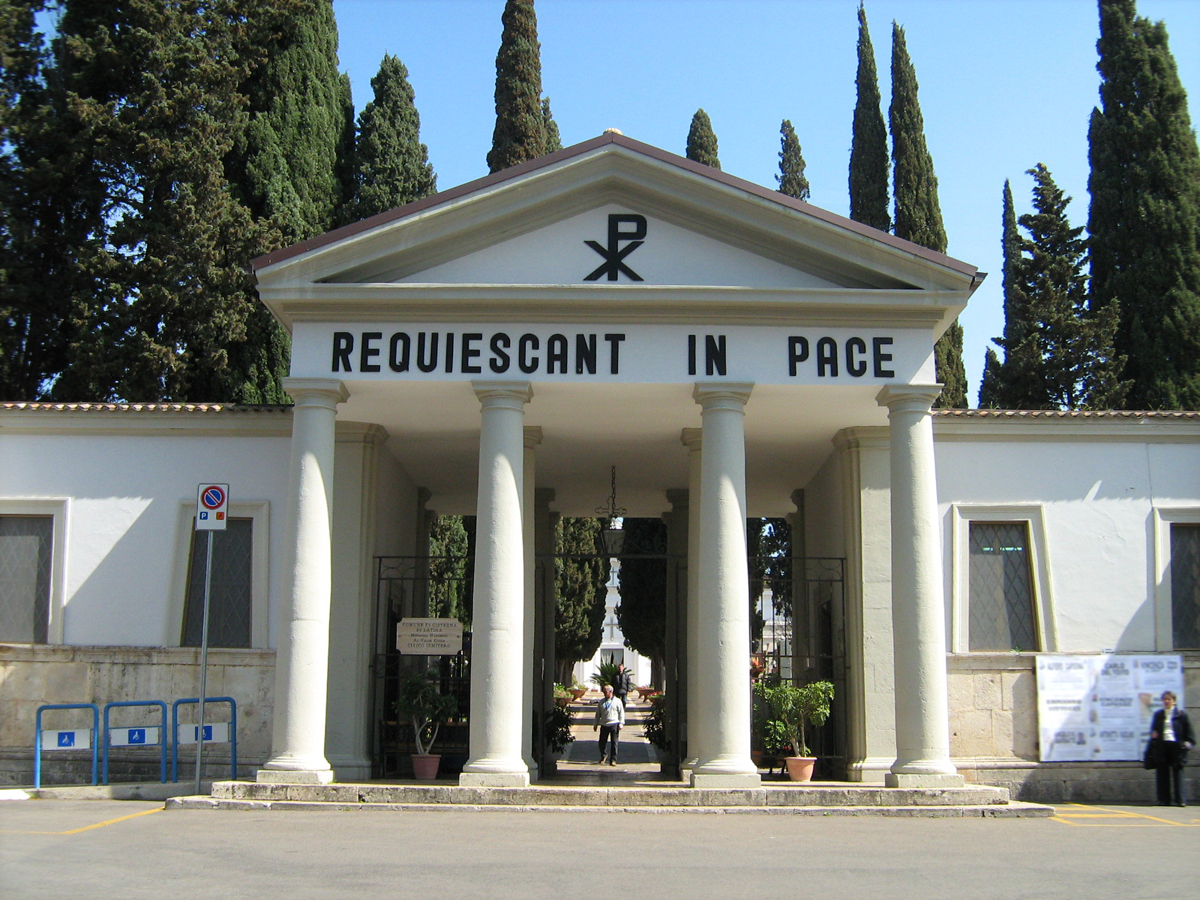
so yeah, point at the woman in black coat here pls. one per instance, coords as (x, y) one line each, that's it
(1172, 734)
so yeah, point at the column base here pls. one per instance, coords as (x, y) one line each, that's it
(494, 779)
(925, 780)
(730, 780)
(294, 776)
(872, 770)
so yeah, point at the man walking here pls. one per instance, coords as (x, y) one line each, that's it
(610, 716)
(622, 684)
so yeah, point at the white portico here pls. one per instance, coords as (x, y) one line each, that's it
(702, 334)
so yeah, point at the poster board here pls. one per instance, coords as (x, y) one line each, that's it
(1098, 707)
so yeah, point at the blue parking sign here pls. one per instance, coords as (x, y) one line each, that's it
(137, 735)
(66, 739)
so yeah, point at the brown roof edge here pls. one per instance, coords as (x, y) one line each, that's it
(647, 150)
(1066, 414)
(91, 407)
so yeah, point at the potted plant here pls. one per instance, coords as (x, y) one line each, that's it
(794, 707)
(562, 696)
(427, 708)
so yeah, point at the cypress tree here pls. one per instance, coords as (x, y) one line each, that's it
(868, 144)
(643, 610)
(392, 166)
(1144, 220)
(290, 168)
(702, 141)
(553, 138)
(918, 213)
(520, 132)
(989, 382)
(791, 164)
(580, 577)
(448, 554)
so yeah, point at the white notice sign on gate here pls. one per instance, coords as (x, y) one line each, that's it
(429, 637)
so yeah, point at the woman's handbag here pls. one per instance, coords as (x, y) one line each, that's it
(1150, 759)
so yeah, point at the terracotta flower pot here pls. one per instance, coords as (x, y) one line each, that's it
(800, 768)
(425, 766)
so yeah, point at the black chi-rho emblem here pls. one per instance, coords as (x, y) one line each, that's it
(614, 254)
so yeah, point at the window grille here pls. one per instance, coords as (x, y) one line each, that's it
(1001, 592)
(1185, 587)
(230, 595)
(26, 545)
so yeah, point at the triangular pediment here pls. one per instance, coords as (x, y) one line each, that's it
(610, 221)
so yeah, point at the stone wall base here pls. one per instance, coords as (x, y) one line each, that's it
(1078, 782)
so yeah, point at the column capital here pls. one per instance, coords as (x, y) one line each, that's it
(678, 498)
(692, 438)
(908, 397)
(533, 436)
(722, 394)
(326, 392)
(505, 394)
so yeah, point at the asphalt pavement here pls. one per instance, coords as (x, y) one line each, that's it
(135, 849)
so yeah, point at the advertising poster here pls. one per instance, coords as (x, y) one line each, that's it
(1099, 707)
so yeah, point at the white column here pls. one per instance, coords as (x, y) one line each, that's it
(302, 657)
(696, 711)
(533, 437)
(724, 601)
(498, 629)
(918, 605)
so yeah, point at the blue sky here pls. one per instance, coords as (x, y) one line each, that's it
(1004, 84)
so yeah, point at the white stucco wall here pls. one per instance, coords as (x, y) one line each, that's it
(124, 497)
(1092, 504)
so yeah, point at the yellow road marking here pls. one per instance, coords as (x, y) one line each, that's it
(1133, 819)
(104, 824)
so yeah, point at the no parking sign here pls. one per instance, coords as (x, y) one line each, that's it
(212, 507)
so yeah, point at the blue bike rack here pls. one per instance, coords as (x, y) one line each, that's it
(232, 733)
(162, 733)
(37, 740)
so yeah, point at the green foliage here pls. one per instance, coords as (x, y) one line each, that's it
(1144, 220)
(654, 726)
(918, 212)
(607, 674)
(785, 710)
(558, 728)
(868, 145)
(392, 166)
(423, 702)
(580, 577)
(520, 132)
(553, 138)
(643, 610)
(1058, 353)
(702, 141)
(769, 553)
(989, 382)
(287, 168)
(448, 552)
(161, 298)
(791, 164)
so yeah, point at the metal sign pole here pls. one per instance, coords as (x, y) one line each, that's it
(203, 661)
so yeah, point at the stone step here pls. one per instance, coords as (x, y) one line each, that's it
(810, 799)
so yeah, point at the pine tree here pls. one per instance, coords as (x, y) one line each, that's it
(553, 138)
(1144, 220)
(580, 577)
(520, 132)
(791, 164)
(868, 145)
(49, 197)
(167, 252)
(1078, 366)
(918, 213)
(702, 141)
(392, 165)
